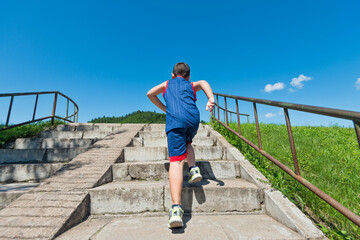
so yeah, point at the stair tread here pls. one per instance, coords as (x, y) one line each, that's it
(168, 161)
(206, 183)
(196, 228)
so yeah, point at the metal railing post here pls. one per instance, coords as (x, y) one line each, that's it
(357, 130)
(227, 120)
(291, 139)
(54, 109)
(67, 109)
(257, 126)
(238, 116)
(36, 101)
(9, 112)
(218, 109)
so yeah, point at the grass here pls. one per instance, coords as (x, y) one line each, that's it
(28, 130)
(329, 157)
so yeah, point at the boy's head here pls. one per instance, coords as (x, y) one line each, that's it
(181, 69)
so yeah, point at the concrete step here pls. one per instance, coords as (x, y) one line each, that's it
(161, 127)
(154, 127)
(27, 172)
(10, 156)
(141, 154)
(11, 191)
(75, 134)
(61, 134)
(196, 227)
(200, 133)
(225, 195)
(221, 169)
(106, 127)
(162, 142)
(37, 143)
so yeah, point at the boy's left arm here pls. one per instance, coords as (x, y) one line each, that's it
(205, 86)
(152, 95)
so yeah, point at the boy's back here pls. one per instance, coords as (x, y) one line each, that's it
(181, 110)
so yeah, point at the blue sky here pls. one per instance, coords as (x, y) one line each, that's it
(107, 54)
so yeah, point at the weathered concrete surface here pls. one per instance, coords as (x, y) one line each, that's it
(36, 143)
(21, 155)
(109, 127)
(62, 134)
(205, 196)
(27, 172)
(128, 197)
(66, 127)
(156, 170)
(197, 227)
(85, 229)
(145, 153)
(284, 211)
(39, 155)
(64, 197)
(139, 154)
(62, 154)
(11, 191)
(227, 195)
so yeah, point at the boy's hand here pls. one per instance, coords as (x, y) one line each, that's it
(210, 105)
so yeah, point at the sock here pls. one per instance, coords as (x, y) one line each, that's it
(175, 205)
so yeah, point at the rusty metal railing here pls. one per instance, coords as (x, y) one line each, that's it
(343, 114)
(69, 118)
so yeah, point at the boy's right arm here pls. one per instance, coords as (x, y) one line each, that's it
(152, 94)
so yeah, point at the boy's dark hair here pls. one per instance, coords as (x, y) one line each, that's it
(181, 69)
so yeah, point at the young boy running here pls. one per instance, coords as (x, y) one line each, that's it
(182, 123)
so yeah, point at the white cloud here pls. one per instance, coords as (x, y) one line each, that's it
(277, 86)
(270, 115)
(357, 84)
(298, 82)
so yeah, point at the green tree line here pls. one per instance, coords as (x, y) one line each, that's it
(134, 117)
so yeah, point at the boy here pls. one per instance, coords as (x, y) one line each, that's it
(182, 123)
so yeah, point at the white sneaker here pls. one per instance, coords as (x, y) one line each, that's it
(194, 175)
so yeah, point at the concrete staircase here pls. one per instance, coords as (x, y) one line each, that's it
(30, 160)
(233, 201)
(62, 200)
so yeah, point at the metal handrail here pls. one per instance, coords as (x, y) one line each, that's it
(338, 113)
(69, 118)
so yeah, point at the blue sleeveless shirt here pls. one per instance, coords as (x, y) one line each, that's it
(181, 110)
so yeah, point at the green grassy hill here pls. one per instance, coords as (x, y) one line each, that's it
(329, 157)
(134, 117)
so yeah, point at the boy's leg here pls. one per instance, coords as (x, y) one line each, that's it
(176, 181)
(194, 171)
(190, 134)
(191, 155)
(177, 154)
